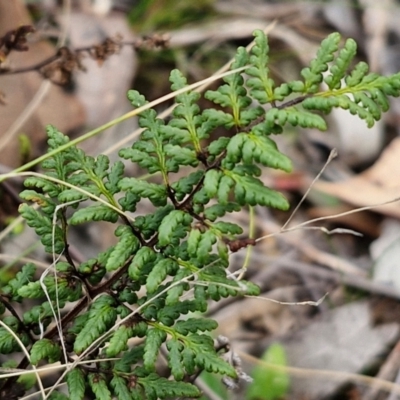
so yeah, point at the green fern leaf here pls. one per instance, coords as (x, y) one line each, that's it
(169, 227)
(76, 384)
(156, 387)
(175, 132)
(55, 137)
(389, 85)
(144, 159)
(129, 359)
(148, 225)
(159, 272)
(206, 357)
(188, 360)
(136, 98)
(38, 315)
(170, 313)
(216, 291)
(218, 285)
(69, 195)
(148, 152)
(186, 113)
(218, 146)
(60, 289)
(44, 228)
(313, 75)
(101, 165)
(80, 178)
(212, 119)
(120, 388)
(113, 178)
(200, 244)
(27, 380)
(211, 182)
(186, 184)
(119, 340)
(126, 246)
(47, 205)
(357, 74)
(32, 290)
(8, 344)
(265, 152)
(45, 349)
(102, 316)
(325, 104)
(22, 278)
(129, 202)
(369, 104)
(295, 117)
(234, 95)
(99, 386)
(204, 246)
(97, 212)
(262, 86)
(250, 190)
(284, 90)
(228, 228)
(154, 339)
(157, 194)
(223, 252)
(78, 323)
(341, 64)
(63, 163)
(55, 395)
(380, 98)
(193, 325)
(175, 348)
(181, 155)
(250, 147)
(173, 294)
(52, 189)
(143, 257)
(224, 189)
(219, 210)
(193, 241)
(251, 289)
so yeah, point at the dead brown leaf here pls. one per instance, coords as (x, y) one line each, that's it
(377, 185)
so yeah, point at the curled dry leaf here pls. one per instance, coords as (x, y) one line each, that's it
(14, 40)
(60, 70)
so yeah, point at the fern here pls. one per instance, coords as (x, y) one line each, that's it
(166, 265)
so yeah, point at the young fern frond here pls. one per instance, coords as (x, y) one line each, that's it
(171, 261)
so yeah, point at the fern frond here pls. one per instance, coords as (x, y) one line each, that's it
(156, 387)
(250, 148)
(172, 260)
(313, 75)
(261, 85)
(22, 278)
(100, 318)
(234, 96)
(76, 384)
(173, 227)
(45, 349)
(118, 341)
(8, 344)
(154, 339)
(341, 64)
